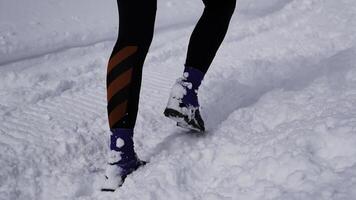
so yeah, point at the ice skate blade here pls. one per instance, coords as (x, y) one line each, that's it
(107, 190)
(191, 128)
(182, 120)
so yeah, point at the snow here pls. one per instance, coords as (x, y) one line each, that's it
(119, 143)
(279, 102)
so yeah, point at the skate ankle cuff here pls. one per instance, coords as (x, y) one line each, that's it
(122, 140)
(193, 75)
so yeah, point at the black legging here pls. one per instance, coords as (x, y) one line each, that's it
(136, 26)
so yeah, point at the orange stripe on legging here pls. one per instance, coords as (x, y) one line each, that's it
(120, 56)
(119, 83)
(117, 113)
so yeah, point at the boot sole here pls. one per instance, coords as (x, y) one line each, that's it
(181, 119)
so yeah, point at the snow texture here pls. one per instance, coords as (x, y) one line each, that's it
(279, 102)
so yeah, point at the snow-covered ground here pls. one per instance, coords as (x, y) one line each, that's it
(279, 103)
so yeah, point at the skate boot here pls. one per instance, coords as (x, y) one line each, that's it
(183, 105)
(122, 159)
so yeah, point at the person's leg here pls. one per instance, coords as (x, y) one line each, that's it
(209, 33)
(124, 74)
(183, 105)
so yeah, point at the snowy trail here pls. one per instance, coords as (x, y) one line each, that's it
(279, 103)
(52, 119)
